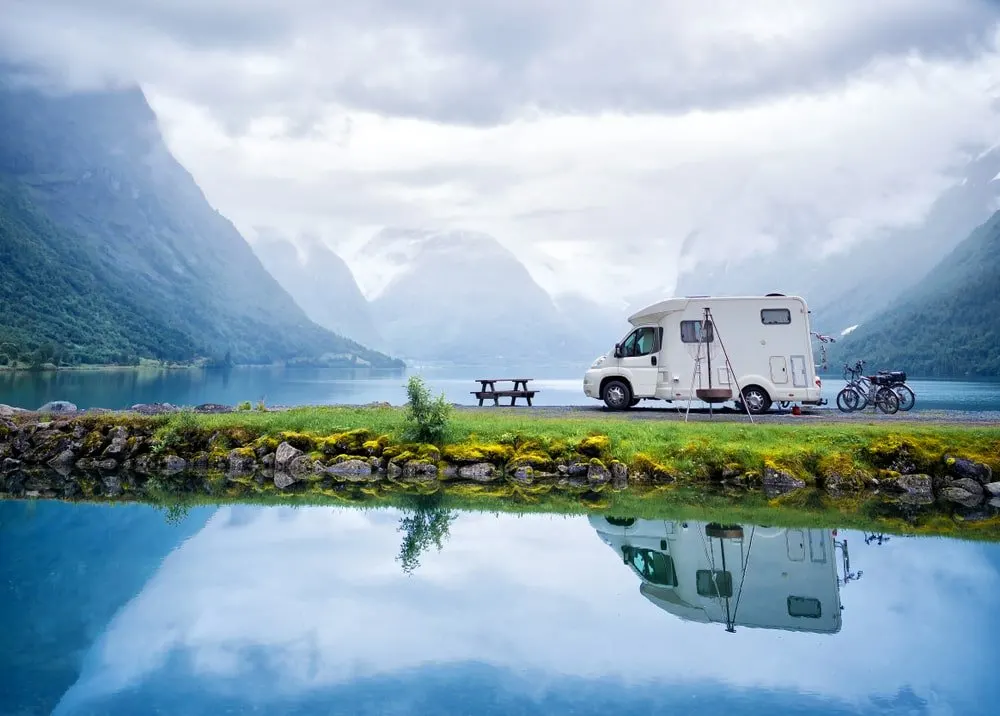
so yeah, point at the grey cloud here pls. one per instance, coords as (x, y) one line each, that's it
(484, 62)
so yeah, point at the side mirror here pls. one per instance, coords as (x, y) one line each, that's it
(618, 350)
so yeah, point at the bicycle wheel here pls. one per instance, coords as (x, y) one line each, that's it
(906, 397)
(848, 400)
(887, 401)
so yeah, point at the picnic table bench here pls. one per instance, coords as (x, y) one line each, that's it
(489, 391)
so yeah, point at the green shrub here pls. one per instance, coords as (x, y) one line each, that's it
(426, 417)
(245, 405)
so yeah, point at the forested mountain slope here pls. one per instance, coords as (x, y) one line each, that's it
(948, 325)
(110, 251)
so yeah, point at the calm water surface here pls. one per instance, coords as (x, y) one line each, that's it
(116, 610)
(302, 386)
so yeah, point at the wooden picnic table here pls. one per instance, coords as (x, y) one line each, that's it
(489, 391)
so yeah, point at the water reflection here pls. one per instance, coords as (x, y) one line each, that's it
(309, 610)
(736, 575)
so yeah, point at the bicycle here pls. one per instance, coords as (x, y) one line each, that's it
(863, 390)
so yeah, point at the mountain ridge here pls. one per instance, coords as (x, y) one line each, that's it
(91, 189)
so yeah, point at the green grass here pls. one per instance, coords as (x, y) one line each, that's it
(684, 448)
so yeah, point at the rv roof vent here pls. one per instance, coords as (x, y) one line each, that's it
(773, 294)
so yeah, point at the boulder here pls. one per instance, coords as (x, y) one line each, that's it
(112, 485)
(420, 471)
(619, 475)
(302, 465)
(58, 406)
(119, 443)
(240, 463)
(283, 480)
(777, 482)
(597, 474)
(960, 496)
(109, 464)
(480, 472)
(62, 461)
(9, 465)
(960, 468)
(172, 464)
(8, 411)
(284, 455)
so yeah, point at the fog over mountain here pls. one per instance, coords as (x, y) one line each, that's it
(613, 151)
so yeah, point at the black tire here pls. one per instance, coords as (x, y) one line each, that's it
(887, 401)
(756, 400)
(849, 400)
(906, 397)
(634, 402)
(617, 394)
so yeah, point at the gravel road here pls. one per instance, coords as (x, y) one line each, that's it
(811, 415)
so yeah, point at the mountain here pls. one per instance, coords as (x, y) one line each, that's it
(847, 288)
(460, 296)
(321, 284)
(948, 325)
(111, 251)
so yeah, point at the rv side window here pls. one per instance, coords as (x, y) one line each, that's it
(775, 316)
(655, 567)
(714, 583)
(697, 332)
(804, 607)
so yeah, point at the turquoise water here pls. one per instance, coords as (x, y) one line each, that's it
(299, 386)
(238, 610)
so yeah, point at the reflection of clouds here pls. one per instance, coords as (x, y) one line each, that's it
(316, 596)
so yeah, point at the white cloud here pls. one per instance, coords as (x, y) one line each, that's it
(593, 138)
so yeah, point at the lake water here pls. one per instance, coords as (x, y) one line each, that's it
(118, 610)
(302, 386)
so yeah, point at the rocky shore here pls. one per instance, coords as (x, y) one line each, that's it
(65, 454)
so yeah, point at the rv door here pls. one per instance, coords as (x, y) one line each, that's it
(640, 355)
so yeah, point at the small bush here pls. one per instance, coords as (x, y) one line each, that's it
(426, 418)
(244, 406)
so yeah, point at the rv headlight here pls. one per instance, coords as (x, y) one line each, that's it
(599, 362)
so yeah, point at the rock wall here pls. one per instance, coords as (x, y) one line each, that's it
(120, 455)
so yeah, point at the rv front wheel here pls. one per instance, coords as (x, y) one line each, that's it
(756, 399)
(617, 395)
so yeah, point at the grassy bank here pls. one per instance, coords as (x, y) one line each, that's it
(678, 449)
(891, 478)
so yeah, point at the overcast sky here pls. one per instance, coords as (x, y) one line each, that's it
(589, 136)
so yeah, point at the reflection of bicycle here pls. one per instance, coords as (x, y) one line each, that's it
(864, 390)
(876, 538)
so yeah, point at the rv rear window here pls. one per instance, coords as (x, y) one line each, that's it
(804, 607)
(775, 316)
(697, 332)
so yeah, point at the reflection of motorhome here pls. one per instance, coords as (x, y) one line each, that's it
(673, 353)
(752, 576)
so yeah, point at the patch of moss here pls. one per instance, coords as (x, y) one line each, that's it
(594, 446)
(421, 452)
(470, 453)
(352, 442)
(535, 460)
(644, 468)
(299, 441)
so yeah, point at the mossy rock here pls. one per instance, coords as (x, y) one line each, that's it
(594, 446)
(644, 467)
(267, 442)
(471, 453)
(299, 441)
(419, 452)
(352, 442)
(537, 461)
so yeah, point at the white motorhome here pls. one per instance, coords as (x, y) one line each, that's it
(738, 575)
(673, 353)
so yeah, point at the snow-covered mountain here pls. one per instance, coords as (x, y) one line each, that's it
(846, 289)
(461, 296)
(320, 282)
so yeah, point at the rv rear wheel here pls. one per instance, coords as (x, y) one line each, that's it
(756, 399)
(617, 394)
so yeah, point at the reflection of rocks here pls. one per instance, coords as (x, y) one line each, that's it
(960, 496)
(777, 482)
(58, 406)
(912, 485)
